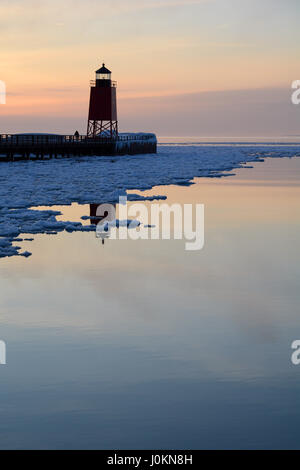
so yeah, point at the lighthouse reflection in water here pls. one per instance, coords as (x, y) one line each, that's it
(100, 212)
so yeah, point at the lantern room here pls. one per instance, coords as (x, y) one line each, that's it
(103, 77)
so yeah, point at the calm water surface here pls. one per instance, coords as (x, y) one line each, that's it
(141, 344)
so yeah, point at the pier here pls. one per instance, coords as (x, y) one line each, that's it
(102, 137)
(14, 147)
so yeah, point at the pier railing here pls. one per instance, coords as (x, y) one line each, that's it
(43, 139)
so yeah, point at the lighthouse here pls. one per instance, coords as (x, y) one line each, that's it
(102, 119)
(102, 136)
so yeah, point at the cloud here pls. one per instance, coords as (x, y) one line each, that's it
(248, 112)
(167, 3)
(230, 45)
(89, 6)
(34, 19)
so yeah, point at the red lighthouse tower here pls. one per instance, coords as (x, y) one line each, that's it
(102, 121)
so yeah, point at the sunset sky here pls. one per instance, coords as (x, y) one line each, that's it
(184, 67)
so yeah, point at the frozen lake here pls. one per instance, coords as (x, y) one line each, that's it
(141, 344)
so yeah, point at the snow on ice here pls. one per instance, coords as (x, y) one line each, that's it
(28, 184)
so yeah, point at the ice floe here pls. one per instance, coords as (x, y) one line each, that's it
(85, 180)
